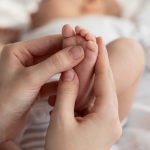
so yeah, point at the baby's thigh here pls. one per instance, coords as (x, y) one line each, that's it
(127, 62)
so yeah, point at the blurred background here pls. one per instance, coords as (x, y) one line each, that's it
(111, 19)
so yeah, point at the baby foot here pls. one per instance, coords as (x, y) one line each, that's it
(85, 69)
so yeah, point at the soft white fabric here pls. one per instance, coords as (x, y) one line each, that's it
(130, 8)
(142, 20)
(109, 28)
(16, 13)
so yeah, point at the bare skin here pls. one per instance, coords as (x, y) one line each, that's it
(126, 60)
(73, 9)
(90, 132)
(86, 68)
(126, 55)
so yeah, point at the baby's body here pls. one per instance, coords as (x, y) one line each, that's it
(73, 9)
(17, 16)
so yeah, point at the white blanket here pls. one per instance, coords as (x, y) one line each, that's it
(16, 13)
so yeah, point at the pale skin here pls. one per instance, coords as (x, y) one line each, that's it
(21, 66)
(90, 46)
(74, 126)
(89, 132)
(122, 53)
(102, 135)
(126, 55)
(85, 69)
(73, 9)
(135, 70)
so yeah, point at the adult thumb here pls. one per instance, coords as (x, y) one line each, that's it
(66, 95)
(59, 62)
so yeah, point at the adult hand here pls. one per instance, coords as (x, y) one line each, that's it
(100, 128)
(24, 68)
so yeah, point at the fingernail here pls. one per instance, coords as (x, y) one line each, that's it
(68, 75)
(77, 52)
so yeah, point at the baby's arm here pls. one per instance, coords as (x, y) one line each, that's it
(9, 146)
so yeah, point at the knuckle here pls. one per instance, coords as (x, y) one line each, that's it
(9, 49)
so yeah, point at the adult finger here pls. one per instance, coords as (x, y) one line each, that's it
(104, 86)
(66, 95)
(59, 62)
(45, 45)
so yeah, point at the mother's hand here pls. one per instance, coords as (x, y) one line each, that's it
(24, 68)
(100, 128)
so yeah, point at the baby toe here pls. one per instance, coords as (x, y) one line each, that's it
(67, 31)
(69, 42)
(80, 40)
(90, 37)
(91, 46)
(83, 32)
(77, 29)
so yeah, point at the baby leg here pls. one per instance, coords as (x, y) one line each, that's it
(127, 62)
